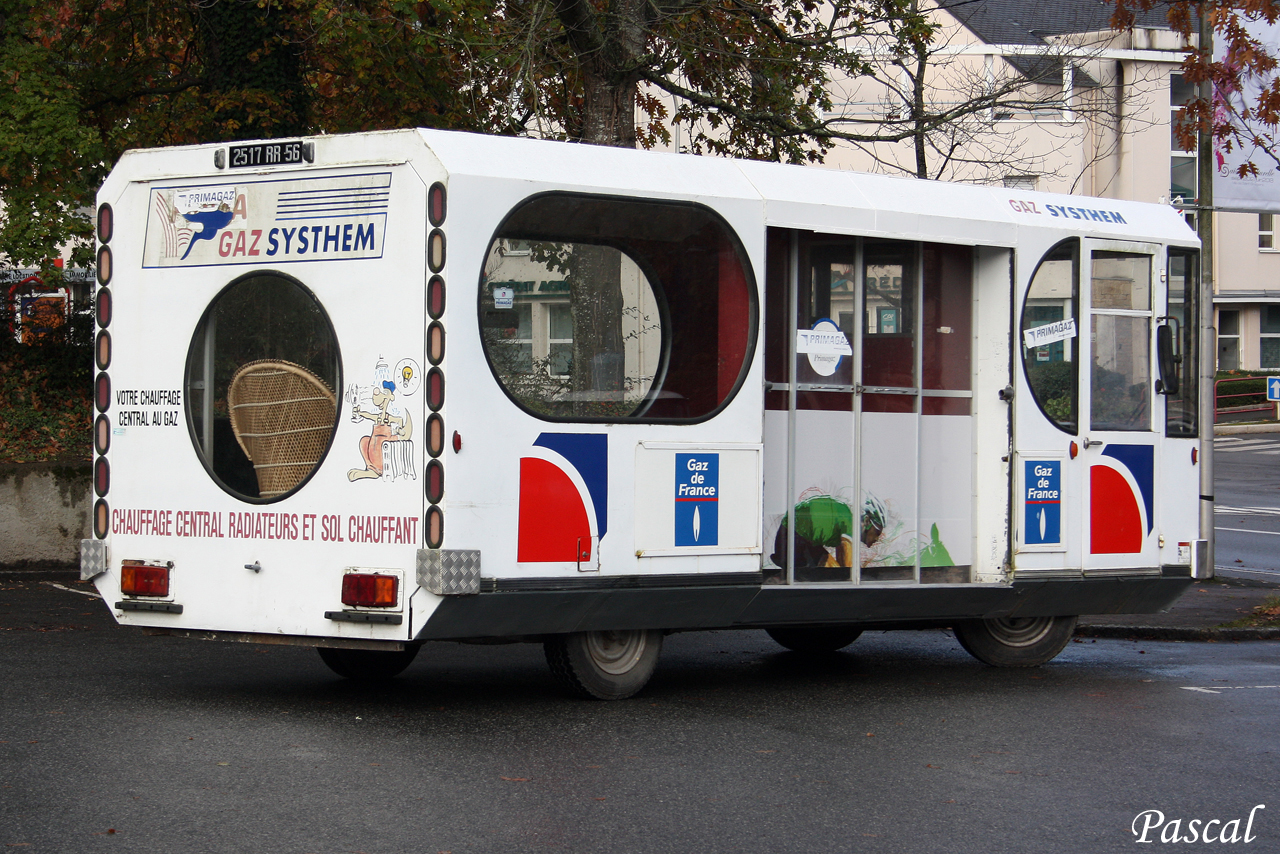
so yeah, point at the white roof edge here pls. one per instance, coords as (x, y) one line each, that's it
(805, 197)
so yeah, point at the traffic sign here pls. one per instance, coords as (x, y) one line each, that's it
(1273, 389)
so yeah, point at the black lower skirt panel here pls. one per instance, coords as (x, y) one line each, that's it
(714, 602)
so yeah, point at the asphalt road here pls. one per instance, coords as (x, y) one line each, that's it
(1246, 470)
(114, 741)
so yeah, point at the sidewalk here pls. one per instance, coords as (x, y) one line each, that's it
(1195, 616)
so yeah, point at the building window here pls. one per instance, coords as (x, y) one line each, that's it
(1266, 231)
(1021, 182)
(1182, 164)
(1269, 343)
(1228, 340)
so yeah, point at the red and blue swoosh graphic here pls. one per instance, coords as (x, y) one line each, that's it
(1121, 499)
(560, 513)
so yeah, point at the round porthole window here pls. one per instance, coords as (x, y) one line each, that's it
(260, 387)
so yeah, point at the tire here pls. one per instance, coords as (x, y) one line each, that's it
(811, 639)
(604, 665)
(367, 665)
(1015, 641)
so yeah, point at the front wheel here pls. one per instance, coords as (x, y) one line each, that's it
(367, 665)
(604, 665)
(1015, 641)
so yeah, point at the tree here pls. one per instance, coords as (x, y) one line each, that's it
(1244, 111)
(939, 107)
(87, 79)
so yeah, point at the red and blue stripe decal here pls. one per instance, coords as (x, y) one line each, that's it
(564, 498)
(1121, 499)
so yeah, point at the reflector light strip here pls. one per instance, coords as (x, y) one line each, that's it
(102, 392)
(437, 204)
(102, 307)
(435, 297)
(104, 266)
(102, 349)
(437, 208)
(435, 250)
(101, 476)
(105, 227)
(106, 223)
(435, 527)
(435, 481)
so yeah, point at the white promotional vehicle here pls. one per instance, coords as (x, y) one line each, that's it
(364, 392)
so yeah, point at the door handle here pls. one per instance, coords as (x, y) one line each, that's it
(1088, 442)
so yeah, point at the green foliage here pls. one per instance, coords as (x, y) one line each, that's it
(1054, 385)
(45, 392)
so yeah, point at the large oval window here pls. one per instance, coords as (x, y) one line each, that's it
(604, 309)
(260, 380)
(1051, 357)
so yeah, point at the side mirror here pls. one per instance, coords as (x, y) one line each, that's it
(1167, 360)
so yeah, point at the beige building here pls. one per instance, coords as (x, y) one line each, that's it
(1077, 108)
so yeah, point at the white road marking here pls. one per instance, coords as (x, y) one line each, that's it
(1221, 688)
(1247, 531)
(1270, 572)
(1247, 511)
(93, 595)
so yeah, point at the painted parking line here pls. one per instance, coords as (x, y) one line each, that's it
(93, 595)
(1220, 688)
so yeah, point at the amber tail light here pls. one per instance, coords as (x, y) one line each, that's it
(369, 590)
(140, 579)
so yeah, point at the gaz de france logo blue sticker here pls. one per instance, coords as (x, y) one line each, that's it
(697, 499)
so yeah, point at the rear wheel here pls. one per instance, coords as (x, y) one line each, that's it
(604, 665)
(1015, 641)
(367, 664)
(815, 638)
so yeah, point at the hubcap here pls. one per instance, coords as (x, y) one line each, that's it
(615, 652)
(1019, 631)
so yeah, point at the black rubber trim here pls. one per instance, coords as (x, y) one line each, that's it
(1176, 571)
(625, 582)
(364, 617)
(164, 607)
(1206, 498)
(518, 613)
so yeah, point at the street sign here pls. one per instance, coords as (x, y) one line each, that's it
(1273, 389)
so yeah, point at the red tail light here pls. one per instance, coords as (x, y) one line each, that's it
(140, 579)
(369, 590)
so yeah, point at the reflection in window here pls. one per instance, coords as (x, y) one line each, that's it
(595, 355)
(261, 372)
(620, 309)
(1120, 342)
(1121, 397)
(1052, 298)
(888, 299)
(1181, 409)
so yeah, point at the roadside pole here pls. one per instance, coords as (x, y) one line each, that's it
(1208, 333)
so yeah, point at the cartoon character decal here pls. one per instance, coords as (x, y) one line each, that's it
(210, 222)
(387, 451)
(564, 495)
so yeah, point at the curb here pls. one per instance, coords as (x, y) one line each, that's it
(1175, 633)
(1228, 429)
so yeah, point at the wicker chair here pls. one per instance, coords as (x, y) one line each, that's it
(282, 415)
